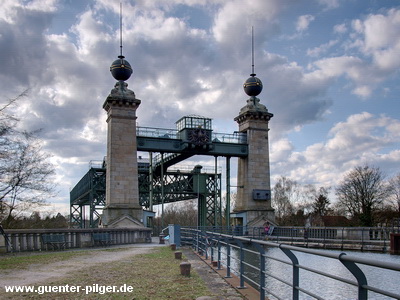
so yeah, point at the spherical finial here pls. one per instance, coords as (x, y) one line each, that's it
(253, 86)
(121, 69)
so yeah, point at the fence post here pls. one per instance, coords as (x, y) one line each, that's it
(295, 262)
(241, 265)
(212, 249)
(262, 270)
(197, 241)
(219, 254)
(358, 274)
(228, 259)
(206, 245)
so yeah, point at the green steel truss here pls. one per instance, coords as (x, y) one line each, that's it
(174, 186)
(89, 192)
(193, 136)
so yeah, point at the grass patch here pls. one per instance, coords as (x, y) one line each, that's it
(155, 275)
(10, 262)
(18, 262)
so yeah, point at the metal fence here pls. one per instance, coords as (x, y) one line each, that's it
(342, 238)
(219, 246)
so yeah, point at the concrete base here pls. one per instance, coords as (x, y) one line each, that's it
(255, 218)
(122, 217)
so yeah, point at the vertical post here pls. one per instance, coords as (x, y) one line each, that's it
(212, 253)
(241, 267)
(219, 255)
(197, 241)
(228, 259)
(162, 191)
(205, 244)
(228, 193)
(216, 210)
(151, 186)
(362, 238)
(262, 270)
(358, 274)
(295, 281)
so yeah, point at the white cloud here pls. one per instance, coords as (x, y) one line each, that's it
(303, 22)
(340, 28)
(322, 49)
(379, 39)
(329, 4)
(361, 139)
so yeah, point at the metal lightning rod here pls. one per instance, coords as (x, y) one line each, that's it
(120, 28)
(252, 51)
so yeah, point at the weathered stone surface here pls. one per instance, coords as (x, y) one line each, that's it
(254, 170)
(122, 207)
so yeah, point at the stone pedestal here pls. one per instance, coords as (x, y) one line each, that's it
(122, 207)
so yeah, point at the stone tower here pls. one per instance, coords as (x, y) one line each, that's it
(122, 207)
(253, 204)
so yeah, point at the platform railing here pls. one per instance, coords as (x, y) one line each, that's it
(153, 132)
(218, 247)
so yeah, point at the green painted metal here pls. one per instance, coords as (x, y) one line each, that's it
(157, 185)
(178, 186)
(90, 191)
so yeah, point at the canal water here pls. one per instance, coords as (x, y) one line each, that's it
(322, 286)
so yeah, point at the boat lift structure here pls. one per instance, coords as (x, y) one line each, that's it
(158, 183)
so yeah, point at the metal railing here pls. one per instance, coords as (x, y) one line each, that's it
(232, 138)
(219, 247)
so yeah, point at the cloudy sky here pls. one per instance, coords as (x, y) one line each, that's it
(330, 70)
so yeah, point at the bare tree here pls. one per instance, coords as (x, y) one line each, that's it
(361, 192)
(284, 195)
(394, 186)
(25, 172)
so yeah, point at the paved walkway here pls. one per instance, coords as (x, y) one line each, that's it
(40, 274)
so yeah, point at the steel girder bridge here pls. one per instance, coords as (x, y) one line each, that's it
(158, 184)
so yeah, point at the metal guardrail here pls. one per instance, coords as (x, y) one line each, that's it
(219, 246)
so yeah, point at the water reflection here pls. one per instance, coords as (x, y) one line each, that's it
(320, 285)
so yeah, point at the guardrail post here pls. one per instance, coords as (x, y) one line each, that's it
(206, 245)
(219, 254)
(212, 249)
(262, 270)
(295, 263)
(241, 266)
(358, 274)
(228, 259)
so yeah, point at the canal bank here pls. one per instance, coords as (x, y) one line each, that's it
(289, 272)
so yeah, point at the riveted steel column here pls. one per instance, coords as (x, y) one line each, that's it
(216, 213)
(162, 191)
(151, 187)
(228, 193)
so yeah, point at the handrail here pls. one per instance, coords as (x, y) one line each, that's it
(210, 241)
(154, 132)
